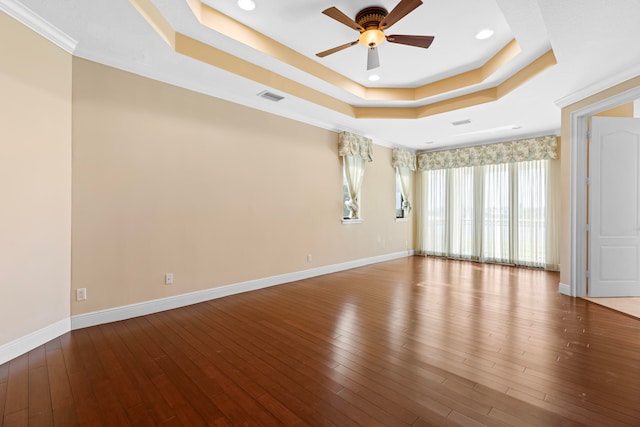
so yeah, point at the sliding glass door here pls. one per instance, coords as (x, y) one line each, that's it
(496, 213)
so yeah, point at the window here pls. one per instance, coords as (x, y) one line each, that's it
(405, 165)
(352, 174)
(495, 213)
(399, 198)
(461, 212)
(532, 209)
(356, 151)
(345, 196)
(435, 212)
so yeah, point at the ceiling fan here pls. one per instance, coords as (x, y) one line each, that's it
(371, 22)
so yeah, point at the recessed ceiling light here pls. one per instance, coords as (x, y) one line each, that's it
(246, 4)
(374, 78)
(484, 34)
(429, 142)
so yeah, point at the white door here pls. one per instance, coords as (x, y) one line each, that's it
(614, 207)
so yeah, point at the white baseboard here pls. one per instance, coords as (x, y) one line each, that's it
(564, 289)
(155, 306)
(15, 348)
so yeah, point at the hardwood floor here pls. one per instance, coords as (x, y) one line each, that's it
(416, 341)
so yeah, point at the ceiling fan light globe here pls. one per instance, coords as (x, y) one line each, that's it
(371, 38)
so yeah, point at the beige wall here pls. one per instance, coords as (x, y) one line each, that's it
(35, 181)
(624, 110)
(167, 180)
(565, 221)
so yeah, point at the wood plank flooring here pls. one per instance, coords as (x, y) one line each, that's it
(411, 342)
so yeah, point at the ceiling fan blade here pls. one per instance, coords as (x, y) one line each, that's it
(334, 13)
(401, 10)
(373, 60)
(336, 49)
(418, 41)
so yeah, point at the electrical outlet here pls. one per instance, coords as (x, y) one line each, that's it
(81, 294)
(168, 279)
(309, 258)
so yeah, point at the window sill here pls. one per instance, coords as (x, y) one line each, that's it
(402, 219)
(351, 221)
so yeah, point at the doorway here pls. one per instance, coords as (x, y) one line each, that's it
(579, 152)
(578, 149)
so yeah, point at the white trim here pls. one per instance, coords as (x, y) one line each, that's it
(24, 344)
(154, 306)
(352, 221)
(30, 19)
(564, 289)
(598, 87)
(578, 204)
(578, 195)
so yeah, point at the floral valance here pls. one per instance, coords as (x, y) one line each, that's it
(355, 145)
(403, 159)
(493, 154)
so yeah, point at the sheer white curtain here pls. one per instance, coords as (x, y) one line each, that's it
(496, 214)
(532, 213)
(537, 204)
(505, 213)
(461, 204)
(353, 171)
(433, 236)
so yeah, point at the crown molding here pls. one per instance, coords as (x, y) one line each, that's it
(598, 86)
(29, 18)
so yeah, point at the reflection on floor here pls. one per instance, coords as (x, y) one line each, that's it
(630, 306)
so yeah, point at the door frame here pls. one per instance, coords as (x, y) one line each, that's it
(578, 189)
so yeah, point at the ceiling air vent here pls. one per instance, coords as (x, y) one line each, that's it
(461, 122)
(270, 96)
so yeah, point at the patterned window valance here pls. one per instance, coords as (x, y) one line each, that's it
(355, 145)
(403, 159)
(493, 154)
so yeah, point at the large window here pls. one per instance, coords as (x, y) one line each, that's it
(497, 213)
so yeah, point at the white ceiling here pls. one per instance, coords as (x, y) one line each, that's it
(595, 43)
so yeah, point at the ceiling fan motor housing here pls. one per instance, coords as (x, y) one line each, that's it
(370, 17)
